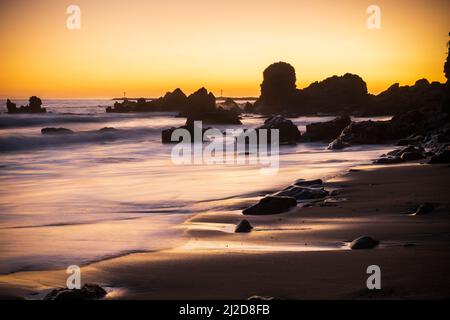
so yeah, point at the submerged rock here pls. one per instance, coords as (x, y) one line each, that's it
(56, 131)
(271, 205)
(87, 292)
(364, 242)
(243, 227)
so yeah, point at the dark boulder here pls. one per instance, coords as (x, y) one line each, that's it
(288, 132)
(271, 205)
(303, 193)
(338, 144)
(309, 183)
(326, 130)
(377, 132)
(364, 242)
(166, 134)
(87, 292)
(411, 156)
(56, 131)
(389, 160)
(243, 227)
(108, 129)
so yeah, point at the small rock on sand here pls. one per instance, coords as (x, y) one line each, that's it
(243, 226)
(271, 205)
(364, 242)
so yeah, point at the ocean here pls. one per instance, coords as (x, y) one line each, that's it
(74, 199)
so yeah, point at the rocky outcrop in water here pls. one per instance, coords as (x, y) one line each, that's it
(326, 131)
(34, 106)
(166, 134)
(56, 131)
(288, 132)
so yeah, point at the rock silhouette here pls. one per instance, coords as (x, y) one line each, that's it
(278, 89)
(346, 94)
(326, 130)
(34, 106)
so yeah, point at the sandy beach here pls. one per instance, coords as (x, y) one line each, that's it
(302, 254)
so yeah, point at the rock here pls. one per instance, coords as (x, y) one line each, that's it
(441, 157)
(400, 99)
(308, 183)
(334, 95)
(249, 107)
(34, 106)
(364, 242)
(288, 131)
(166, 134)
(108, 129)
(326, 130)
(278, 89)
(126, 106)
(243, 227)
(338, 144)
(56, 131)
(303, 193)
(174, 101)
(87, 292)
(377, 132)
(389, 160)
(410, 156)
(271, 205)
(410, 141)
(424, 208)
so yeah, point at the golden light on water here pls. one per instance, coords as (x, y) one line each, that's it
(149, 47)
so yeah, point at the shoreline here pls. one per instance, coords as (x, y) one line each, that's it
(236, 266)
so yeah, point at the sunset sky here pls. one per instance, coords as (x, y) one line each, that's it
(149, 47)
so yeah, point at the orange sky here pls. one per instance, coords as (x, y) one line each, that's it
(149, 47)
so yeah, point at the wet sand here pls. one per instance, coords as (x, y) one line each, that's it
(302, 254)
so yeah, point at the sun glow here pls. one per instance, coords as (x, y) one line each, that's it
(149, 47)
